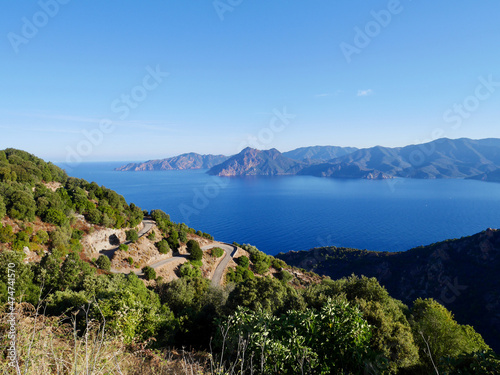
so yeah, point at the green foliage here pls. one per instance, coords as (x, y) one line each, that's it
(194, 250)
(23, 288)
(163, 246)
(3, 208)
(22, 206)
(123, 247)
(151, 236)
(243, 261)
(103, 262)
(285, 276)
(182, 236)
(189, 270)
(332, 340)
(21, 240)
(434, 327)
(149, 273)
(265, 293)
(239, 275)
(6, 234)
(131, 311)
(392, 335)
(476, 363)
(173, 240)
(130, 260)
(132, 235)
(217, 252)
(41, 237)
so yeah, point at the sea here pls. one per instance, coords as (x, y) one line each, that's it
(279, 214)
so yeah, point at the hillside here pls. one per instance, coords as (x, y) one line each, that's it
(442, 158)
(184, 161)
(252, 162)
(461, 274)
(318, 153)
(90, 276)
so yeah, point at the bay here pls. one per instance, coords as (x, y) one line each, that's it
(301, 212)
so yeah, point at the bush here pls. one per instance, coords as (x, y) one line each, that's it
(151, 236)
(130, 260)
(149, 273)
(188, 270)
(217, 252)
(123, 247)
(285, 276)
(194, 250)
(243, 261)
(132, 235)
(103, 262)
(163, 247)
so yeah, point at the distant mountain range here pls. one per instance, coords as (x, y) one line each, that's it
(442, 158)
(185, 161)
(319, 153)
(462, 274)
(252, 162)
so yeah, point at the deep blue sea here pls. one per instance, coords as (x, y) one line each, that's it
(301, 212)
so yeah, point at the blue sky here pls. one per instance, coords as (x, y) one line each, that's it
(130, 80)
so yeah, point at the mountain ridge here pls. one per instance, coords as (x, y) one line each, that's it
(462, 274)
(441, 158)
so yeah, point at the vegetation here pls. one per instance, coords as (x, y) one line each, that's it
(194, 250)
(149, 273)
(103, 263)
(217, 252)
(254, 324)
(132, 235)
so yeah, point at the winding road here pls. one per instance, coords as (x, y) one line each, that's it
(229, 252)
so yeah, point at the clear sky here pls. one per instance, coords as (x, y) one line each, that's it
(135, 80)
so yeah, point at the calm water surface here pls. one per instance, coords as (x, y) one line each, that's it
(301, 212)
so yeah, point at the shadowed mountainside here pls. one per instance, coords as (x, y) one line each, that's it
(462, 274)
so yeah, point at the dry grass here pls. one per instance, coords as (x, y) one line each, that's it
(53, 345)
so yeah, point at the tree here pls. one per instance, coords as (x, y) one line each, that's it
(334, 340)
(149, 273)
(132, 235)
(243, 261)
(163, 247)
(173, 240)
(3, 209)
(23, 206)
(103, 262)
(439, 335)
(194, 250)
(217, 252)
(189, 270)
(6, 234)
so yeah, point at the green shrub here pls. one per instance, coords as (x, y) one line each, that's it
(132, 235)
(163, 247)
(123, 247)
(188, 270)
(194, 250)
(149, 273)
(217, 252)
(151, 236)
(130, 260)
(243, 261)
(103, 262)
